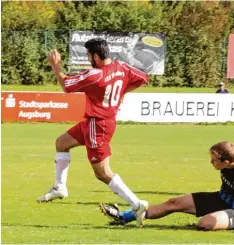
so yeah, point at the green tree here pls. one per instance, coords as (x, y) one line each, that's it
(195, 35)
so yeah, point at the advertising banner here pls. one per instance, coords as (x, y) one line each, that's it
(177, 107)
(230, 57)
(42, 107)
(138, 107)
(145, 51)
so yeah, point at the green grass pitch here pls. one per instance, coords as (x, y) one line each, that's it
(156, 161)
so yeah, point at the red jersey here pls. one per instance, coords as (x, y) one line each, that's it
(104, 87)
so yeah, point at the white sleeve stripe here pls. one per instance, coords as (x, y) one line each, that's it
(82, 77)
(90, 83)
(72, 81)
(133, 70)
(144, 78)
(122, 64)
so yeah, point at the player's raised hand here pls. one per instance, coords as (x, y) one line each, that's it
(54, 57)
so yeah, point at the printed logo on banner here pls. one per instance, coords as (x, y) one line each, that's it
(143, 107)
(152, 41)
(35, 114)
(10, 101)
(42, 106)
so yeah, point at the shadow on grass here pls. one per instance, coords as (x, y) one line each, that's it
(45, 226)
(87, 226)
(153, 226)
(84, 203)
(120, 204)
(77, 203)
(153, 192)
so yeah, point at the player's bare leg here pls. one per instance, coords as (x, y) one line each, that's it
(183, 204)
(104, 173)
(62, 161)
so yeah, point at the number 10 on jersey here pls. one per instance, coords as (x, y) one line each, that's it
(112, 94)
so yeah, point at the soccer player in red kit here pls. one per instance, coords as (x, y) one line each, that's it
(104, 86)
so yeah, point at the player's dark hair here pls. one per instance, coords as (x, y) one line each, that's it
(224, 150)
(98, 46)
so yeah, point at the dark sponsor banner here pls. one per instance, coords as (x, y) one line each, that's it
(145, 51)
(230, 57)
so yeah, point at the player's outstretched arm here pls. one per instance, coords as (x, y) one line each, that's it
(138, 78)
(54, 59)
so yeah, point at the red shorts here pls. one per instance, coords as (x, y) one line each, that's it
(96, 135)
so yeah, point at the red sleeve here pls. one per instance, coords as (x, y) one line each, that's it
(137, 77)
(83, 81)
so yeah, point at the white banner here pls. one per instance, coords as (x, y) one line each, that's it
(177, 107)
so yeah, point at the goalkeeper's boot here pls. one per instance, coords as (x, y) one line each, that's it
(53, 193)
(112, 212)
(140, 212)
